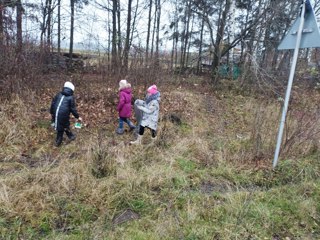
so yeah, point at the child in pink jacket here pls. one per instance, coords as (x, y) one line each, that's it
(124, 106)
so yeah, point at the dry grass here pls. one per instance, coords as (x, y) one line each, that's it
(204, 178)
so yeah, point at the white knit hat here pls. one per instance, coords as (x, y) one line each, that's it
(124, 84)
(69, 85)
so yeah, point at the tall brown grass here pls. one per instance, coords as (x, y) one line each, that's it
(86, 183)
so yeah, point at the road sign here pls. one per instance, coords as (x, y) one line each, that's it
(303, 34)
(310, 33)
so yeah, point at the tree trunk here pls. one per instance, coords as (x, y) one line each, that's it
(109, 37)
(71, 32)
(186, 36)
(49, 7)
(176, 37)
(158, 33)
(133, 27)
(200, 48)
(19, 28)
(153, 30)
(59, 31)
(127, 43)
(44, 23)
(119, 34)
(219, 38)
(114, 34)
(148, 32)
(188, 42)
(183, 36)
(1, 26)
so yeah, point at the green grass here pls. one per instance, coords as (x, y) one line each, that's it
(198, 181)
(242, 209)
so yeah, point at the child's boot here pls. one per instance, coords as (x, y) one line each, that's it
(137, 141)
(153, 140)
(120, 131)
(132, 126)
(59, 139)
(70, 135)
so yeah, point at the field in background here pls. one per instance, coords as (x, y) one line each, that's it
(208, 175)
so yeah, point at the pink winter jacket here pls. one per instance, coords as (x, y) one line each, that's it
(124, 105)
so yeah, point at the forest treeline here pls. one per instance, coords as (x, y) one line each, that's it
(207, 36)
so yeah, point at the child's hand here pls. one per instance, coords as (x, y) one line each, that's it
(80, 119)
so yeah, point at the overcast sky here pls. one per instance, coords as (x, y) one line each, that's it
(91, 25)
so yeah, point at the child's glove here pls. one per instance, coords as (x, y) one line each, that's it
(139, 102)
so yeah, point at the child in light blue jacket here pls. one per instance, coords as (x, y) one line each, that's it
(150, 113)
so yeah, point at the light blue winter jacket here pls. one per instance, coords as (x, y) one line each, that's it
(150, 111)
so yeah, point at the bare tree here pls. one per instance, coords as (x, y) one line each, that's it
(50, 9)
(59, 31)
(1, 24)
(149, 30)
(119, 37)
(46, 30)
(185, 34)
(114, 34)
(72, 13)
(202, 24)
(127, 42)
(199, 62)
(223, 13)
(72, 5)
(19, 28)
(158, 7)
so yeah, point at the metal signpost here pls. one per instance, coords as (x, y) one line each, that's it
(303, 34)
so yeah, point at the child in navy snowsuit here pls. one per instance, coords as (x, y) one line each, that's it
(62, 105)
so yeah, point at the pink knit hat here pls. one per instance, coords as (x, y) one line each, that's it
(152, 89)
